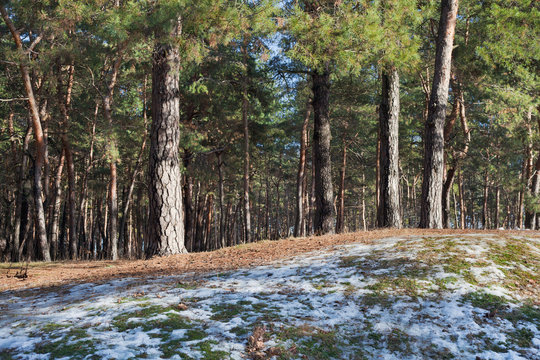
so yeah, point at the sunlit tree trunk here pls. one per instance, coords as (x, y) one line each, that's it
(431, 207)
(388, 211)
(165, 223)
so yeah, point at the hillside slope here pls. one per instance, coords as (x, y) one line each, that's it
(405, 297)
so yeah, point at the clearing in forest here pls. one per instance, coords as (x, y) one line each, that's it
(406, 297)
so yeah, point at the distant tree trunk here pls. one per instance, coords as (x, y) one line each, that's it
(267, 207)
(112, 152)
(16, 250)
(64, 102)
(524, 176)
(187, 194)
(245, 104)
(378, 172)
(389, 212)
(340, 226)
(462, 210)
(165, 223)
(136, 170)
(364, 225)
(129, 195)
(221, 200)
(299, 224)
(56, 207)
(485, 210)
(431, 212)
(324, 193)
(41, 230)
(532, 177)
(447, 186)
(497, 207)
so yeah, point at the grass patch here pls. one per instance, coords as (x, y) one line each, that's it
(225, 312)
(71, 346)
(209, 354)
(483, 300)
(521, 337)
(124, 322)
(311, 343)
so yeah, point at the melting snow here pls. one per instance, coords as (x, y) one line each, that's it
(375, 300)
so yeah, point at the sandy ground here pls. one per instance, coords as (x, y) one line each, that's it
(243, 256)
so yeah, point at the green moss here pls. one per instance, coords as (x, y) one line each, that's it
(195, 334)
(170, 348)
(240, 331)
(172, 321)
(521, 337)
(225, 312)
(486, 301)
(206, 348)
(71, 346)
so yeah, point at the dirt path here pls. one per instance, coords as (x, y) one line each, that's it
(242, 256)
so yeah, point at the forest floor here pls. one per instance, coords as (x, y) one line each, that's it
(387, 294)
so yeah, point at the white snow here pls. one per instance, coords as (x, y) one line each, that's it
(351, 292)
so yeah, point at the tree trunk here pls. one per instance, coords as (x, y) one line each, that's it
(221, 200)
(431, 212)
(19, 198)
(532, 177)
(55, 218)
(64, 101)
(485, 210)
(187, 195)
(447, 186)
(166, 223)
(389, 205)
(497, 207)
(340, 226)
(136, 170)
(324, 209)
(247, 216)
(299, 223)
(41, 230)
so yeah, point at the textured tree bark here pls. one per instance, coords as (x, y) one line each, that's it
(431, 207)
(324, 193)
(41, 230)
(165, 223)
(299, 223)
(389, 211)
